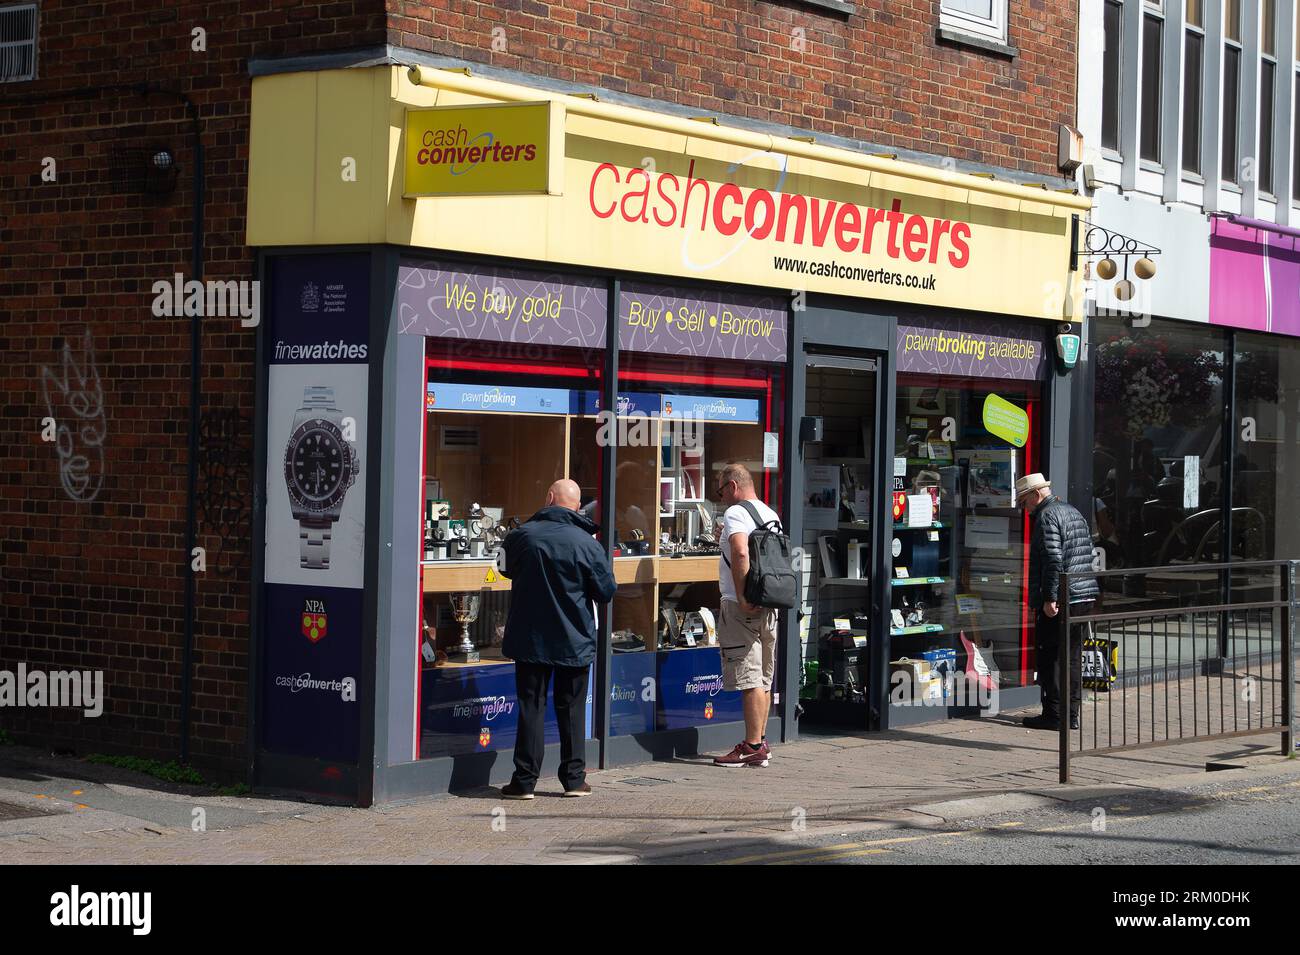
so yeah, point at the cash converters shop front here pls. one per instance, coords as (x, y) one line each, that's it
(475, 288)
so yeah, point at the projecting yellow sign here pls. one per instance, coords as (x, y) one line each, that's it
(488, 149)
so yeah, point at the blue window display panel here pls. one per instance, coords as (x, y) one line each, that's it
(690, 689)
(473, 709)
(632, 694)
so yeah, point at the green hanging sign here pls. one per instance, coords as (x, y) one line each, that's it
(1004, 420)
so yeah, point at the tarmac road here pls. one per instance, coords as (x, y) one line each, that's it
(1244, 820)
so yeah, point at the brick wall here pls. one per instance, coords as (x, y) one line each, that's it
(92, 560)
(877, 76)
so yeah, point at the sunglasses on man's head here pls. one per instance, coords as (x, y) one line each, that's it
(722, 487)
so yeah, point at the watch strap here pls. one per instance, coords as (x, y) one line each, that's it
(314, 543)
(318, 398)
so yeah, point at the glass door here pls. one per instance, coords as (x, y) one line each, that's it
(839, 506)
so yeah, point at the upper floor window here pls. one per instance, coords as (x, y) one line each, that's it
(17, 42)
(986, 19)
(1113, 37)
(1267, 92)
(1193, 77)
(1231, 89)
(1149, 134)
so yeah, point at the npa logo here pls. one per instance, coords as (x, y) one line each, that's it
(484, 736)
(430, 399)
(708, 710)
(313, 620)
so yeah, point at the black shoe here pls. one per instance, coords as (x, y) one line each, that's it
(1074, 722)
(513, 790)
(1042, 722)
(582, 789)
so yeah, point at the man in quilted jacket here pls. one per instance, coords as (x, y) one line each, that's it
(1061, 540)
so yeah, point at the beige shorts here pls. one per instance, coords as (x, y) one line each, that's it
(747, 642)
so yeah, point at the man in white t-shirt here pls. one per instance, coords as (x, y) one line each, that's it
(746, 634)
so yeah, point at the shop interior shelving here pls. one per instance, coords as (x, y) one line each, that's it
(487, 467)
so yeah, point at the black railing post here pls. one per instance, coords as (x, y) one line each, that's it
(1288, 659)
(1063, 678)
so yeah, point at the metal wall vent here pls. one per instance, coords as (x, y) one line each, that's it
(17, 42)
(451, 438)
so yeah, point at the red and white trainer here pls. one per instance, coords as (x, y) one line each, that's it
(745, 755)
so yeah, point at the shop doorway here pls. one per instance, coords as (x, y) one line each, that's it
(840, 504)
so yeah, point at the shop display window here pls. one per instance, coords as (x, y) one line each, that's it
(1266, 473)
(960, 547)
(1157, 457)
(502, 423)
(696, 416)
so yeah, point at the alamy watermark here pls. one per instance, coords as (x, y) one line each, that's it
(209, 299)
(79, 689)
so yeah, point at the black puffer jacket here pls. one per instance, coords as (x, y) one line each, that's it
(1060, 541)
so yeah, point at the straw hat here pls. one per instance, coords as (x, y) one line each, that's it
(1031, 482)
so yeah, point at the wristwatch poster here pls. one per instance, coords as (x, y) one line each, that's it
(320, 464)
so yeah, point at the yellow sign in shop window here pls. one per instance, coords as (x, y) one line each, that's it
(488, 149)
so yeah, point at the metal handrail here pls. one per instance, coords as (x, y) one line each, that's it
(1289, 606)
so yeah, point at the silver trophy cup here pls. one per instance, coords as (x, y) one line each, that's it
(464, 608)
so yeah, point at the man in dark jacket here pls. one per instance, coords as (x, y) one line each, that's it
(556, 570)
(1061, 541)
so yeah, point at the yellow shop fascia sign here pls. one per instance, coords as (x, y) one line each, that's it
(484, 149)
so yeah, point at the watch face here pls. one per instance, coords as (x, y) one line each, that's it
(318, 465)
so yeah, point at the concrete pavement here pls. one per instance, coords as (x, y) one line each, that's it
(62, 810)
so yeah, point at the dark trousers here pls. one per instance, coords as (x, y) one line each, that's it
(531, 680)
(1049, 647)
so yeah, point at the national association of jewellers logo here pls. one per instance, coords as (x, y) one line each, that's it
(309, 300)
(315, 619)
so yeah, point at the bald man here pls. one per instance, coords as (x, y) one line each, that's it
(557, 573)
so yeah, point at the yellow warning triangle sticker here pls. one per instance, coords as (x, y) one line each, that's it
(491, 577)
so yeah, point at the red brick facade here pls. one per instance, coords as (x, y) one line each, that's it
(879, 76)
(93, 552)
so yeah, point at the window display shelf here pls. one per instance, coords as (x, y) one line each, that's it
(854, 525)
(634, 570)
(453, 576)
(916, 630)
(918, 581)
(846, 581)
(937, 525)
(675, 570)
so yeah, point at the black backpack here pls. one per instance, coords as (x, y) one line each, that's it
(771, 581)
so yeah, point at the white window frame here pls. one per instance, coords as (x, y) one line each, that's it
(993, 28)
(35, 41)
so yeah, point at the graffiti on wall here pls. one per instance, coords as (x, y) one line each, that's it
(74, 398)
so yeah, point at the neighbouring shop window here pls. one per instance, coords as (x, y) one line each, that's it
(1266, 469)
(960, 546)
(1157, 459)
(681, 420)
(503, 421)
